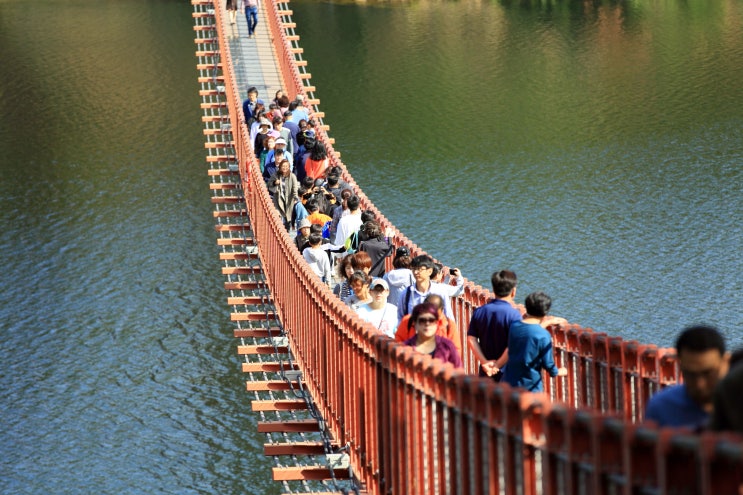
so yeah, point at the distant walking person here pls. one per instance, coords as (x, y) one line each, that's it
(231, 7)
(251, 14)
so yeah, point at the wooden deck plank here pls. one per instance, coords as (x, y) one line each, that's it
(241, 270)
(255, 300)
(315, 473)
(295, 426)
(278, 405)
(221, 172)
(232, 227)
(238, 257)
(251, 316)
(257, 333)
(234, 241)
(247, 350)
(228, 200)
(221, 158)
(267, 367)
(294, 448)
(268, 386)
(229, 213)
(215, 118)
(244, 285)
(222, 186)
(218, 145)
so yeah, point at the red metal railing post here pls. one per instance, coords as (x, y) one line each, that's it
(641, 457)
(585, 343)
(679, 466)
(556, 471)
(576, 372)
(649, 375)
(611, 461)
(584, 450)
(604, 383)
(632, 396)
(454, 440)
(616, 370)
(722, 464)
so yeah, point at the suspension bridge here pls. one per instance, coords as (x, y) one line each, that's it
(346, 410)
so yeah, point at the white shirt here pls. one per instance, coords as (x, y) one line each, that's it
(384, 320)
(416, 297)
(346, 226)
(318, 260)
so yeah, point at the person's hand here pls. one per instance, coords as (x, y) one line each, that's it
(562, 372)
(553, 320)
(490, 368)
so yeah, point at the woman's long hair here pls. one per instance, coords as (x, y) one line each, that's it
(318, 152)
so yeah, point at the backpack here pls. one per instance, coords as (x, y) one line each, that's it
(326, 229)
(352, 243)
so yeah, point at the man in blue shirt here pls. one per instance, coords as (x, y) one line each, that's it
(488, 331)
(703, 362)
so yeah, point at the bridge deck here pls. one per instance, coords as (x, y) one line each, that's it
(392, 419)
(306, 458)
(253, 58)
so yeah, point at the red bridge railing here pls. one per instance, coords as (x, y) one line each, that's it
(416, 425)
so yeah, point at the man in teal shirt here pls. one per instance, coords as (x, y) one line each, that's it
(530, 346)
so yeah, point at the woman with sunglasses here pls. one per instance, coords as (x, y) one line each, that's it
(425, 319)
(446, 327)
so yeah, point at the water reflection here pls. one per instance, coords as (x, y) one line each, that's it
(594, 147)
(117, 350)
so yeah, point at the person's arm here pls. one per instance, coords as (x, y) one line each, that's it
(488, 366)
(401, 310)
(272, 183)
(328, 277)
(458, 288)
(553, 320)
(295, 187)
(548, 360)
(447, 303)
(502, 361)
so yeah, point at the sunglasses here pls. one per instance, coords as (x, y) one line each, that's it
(426, 321)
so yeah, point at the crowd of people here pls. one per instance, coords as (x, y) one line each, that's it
(411, 303)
